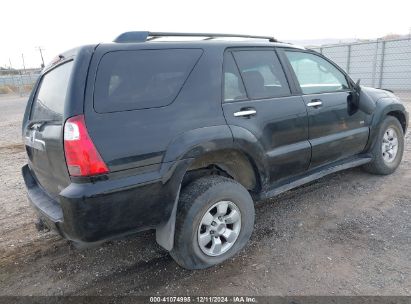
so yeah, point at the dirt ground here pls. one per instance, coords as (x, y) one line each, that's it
(346, 234)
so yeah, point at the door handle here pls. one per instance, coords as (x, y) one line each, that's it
(245, 112)
(315, 103)
(33, 142)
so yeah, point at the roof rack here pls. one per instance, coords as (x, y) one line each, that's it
(130, 37)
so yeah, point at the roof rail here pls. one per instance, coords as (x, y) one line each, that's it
(143, 36)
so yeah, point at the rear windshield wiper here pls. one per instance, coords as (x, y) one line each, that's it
(39, 123)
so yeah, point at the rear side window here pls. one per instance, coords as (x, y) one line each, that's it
(51, 95)
(233, 84)
(262, 74)
(131, 80)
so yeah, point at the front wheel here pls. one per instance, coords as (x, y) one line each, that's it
(388, 149)
(215, 220)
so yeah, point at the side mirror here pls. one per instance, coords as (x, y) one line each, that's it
(359, 100)
(353, 100)
(357, 85)
(366, 103)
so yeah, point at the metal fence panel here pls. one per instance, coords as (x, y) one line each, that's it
(382, 64)
(339, 55)
(21, 84)
(18, 79)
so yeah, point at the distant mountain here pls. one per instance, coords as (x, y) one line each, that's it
(320, 42)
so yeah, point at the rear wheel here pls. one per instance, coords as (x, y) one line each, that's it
(215, 220)
(388, 150)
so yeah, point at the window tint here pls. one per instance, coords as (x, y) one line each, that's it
(262, 74)
(51, 95)
(315, 74)
(129, 80)
(233, 84)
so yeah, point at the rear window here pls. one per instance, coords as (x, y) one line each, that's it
(51, 95)
(131, 80)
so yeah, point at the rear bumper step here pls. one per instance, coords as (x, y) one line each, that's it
(49, 209)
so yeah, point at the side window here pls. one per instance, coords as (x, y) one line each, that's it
(51, 95)
(233, 84)
(131, 80)
(315, 74)
(262, 74)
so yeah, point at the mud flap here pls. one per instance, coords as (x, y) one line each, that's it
(165, 233)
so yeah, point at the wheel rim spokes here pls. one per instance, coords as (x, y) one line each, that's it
(230, 235)
(232, 217)
(207, 219)
(216, 246)
(219, 228)
(389, 146)
(222, 208)
(204, 239)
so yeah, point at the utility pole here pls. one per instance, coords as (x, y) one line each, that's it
(11, 73)
(24, 68)
(24, 65)
(41, 55)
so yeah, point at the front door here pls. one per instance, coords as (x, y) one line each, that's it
(334, 132)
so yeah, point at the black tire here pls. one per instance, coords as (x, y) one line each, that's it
(378, 165)
(195, 200)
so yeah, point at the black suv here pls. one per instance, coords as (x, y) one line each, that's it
(182, 137)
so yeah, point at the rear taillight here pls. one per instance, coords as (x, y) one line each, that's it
(82, 156)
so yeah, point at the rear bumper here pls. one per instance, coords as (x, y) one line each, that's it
(94, 212)
(48, 209)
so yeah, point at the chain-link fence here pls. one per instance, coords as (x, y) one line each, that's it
(18, 83)
(381, 64)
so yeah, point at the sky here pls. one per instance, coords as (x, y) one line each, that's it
(56, 26)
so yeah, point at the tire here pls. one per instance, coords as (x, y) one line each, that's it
(382, 164)
(197, 203)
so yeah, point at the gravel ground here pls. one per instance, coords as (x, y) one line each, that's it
(346, 234)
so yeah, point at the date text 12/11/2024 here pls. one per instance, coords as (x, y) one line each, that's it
(204, 299)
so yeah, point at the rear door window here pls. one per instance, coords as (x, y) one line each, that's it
(51, 95)
(233, 84)
(262, 74)
(131, 80)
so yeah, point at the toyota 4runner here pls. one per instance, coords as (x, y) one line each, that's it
(183, 137)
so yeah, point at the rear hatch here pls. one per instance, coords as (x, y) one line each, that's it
(43, 131)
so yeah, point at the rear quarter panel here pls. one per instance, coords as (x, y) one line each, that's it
(136, 138)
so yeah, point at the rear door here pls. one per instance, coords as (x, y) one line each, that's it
(257, 97)
(334, 131)
(42, 132)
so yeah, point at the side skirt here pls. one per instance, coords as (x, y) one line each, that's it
(314, 174)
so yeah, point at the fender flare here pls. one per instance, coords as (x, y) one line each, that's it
(193, 144)
(383, 107)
